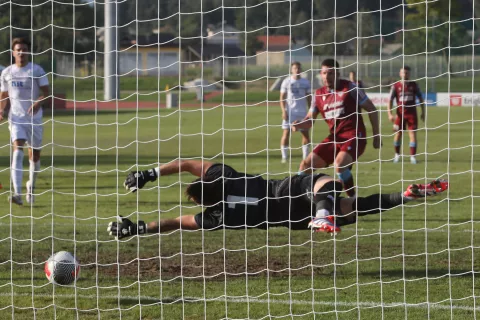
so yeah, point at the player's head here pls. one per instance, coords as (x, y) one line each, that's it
(20, 50)
(352, 76)
(207, 191)
(405, 73)
(295, 68)
(330, 72)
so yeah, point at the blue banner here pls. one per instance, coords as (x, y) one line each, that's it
(430, 99)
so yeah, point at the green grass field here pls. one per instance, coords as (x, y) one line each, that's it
(414, 262)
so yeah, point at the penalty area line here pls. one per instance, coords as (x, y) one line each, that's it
(170, 300)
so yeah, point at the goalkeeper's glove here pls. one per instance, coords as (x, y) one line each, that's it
(125, 228)
(137, 179)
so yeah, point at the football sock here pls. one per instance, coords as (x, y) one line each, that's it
(413, 148)
(284, 150)
(33, 172)
(17, 170)
(372, 204)
(397, 145)
(306, 150)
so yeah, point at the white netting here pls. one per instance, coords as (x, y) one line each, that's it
(201, 80)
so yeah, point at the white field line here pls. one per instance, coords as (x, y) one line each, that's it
(444, 305)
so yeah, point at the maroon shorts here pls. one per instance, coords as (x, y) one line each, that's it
(405, 121)
(331, 146)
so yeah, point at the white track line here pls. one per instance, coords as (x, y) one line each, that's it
(170, 300)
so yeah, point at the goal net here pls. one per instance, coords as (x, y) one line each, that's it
(134, 84)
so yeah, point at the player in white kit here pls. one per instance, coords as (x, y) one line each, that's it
(25, 84)
(295, 101)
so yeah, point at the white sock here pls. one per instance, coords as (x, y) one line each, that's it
(17, 171)
(33, 171)
(284, 152)
(306, 150)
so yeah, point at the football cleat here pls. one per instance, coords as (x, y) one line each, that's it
(29, 197)
(396, 159)
(324, 224)
(16, 198)
(284, 160)
(415, 191)
(413, 160)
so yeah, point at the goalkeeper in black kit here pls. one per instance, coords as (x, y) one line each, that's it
(234, 200)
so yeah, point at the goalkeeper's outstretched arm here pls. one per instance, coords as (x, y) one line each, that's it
(124, 227)
(137, 179)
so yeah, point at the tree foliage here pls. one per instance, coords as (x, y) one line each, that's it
(61, 27)
(434, 26)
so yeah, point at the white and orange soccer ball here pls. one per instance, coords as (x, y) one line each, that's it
(62, 268)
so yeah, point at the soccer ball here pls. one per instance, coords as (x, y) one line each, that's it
(62, 268)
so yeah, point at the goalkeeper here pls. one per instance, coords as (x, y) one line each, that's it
(235, 200)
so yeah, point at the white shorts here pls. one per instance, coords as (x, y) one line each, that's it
(291, 118)
(31, 133)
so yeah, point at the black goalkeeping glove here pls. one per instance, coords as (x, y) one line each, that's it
(137, 179)
(125, 228)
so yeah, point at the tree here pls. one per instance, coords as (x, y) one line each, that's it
(443, 30)
(68, 27)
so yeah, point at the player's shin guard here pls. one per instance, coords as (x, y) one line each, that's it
(347, 180)
(413, 148)
(33, 172)
(17, 170)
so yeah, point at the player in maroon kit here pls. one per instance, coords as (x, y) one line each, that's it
(405, 92)
(340, 103)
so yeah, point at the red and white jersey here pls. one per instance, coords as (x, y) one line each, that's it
(405, 94)
(341, 109)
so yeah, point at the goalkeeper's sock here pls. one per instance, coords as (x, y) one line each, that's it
(306, 150)
(33, 172)
(284, 150)
(372, 204)
(17, 170)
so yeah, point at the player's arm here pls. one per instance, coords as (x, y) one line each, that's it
(368, 106)
(137, 179)
(390, 103)
(307, 122)
(45, 92)
(309, 97)
(422, 103)
(283, 99)
(124, 227)
(3, 95)
(3, 103)
(42, 81)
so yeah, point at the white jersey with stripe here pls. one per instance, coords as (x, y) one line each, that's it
(23, 87)
(297, 91)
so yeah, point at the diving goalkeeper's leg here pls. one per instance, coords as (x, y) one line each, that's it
(351, 208)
